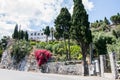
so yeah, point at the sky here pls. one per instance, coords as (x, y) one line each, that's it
(34, 15)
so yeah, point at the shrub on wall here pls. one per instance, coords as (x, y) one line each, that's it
(1, 51)
(20, 49)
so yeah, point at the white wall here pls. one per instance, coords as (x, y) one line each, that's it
(38, 35)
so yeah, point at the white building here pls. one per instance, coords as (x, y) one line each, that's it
(38, 36)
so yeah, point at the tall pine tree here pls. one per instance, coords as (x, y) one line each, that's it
(26, 36)
(106, 21)
(81, 31)
(16, 33)
(47, 32)
(62, 25)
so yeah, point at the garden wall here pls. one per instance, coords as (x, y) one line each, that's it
(63, 68)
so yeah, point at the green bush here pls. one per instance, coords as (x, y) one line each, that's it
(20, 49)
(33, 43)
(101, 40)
(1, 52)
(49, 47)
(59, 48)
(116, 31)
(41, 45)
(115, 48)
(53, 42)
(75, 52)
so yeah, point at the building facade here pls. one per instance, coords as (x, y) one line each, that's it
(39, 36)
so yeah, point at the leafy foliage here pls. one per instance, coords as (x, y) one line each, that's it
(33, 43)
(115, 48)
(75, 52)
(80, 25)
(80, 30)
(41, 45)
(1, 52)
(20, 49)
(115, 19)
(62, 23)
(101, 40)
(49, 47)
(106, 21)
(116, 32)
(19, 34)
(57, 35)
(59, 48)
(4, 42)
(101, 25)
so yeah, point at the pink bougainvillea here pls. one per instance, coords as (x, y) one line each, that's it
(42, 56)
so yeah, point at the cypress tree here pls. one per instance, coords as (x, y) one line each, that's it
(22, 34)
(81, 31)
(47, 32)
(26, 36)
(62, 25)
(106, 21)
(16, 33)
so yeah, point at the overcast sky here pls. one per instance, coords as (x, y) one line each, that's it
(37, 14)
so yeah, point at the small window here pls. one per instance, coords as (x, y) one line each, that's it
(35, 33)
(31, 34)
(38, 33)
(41, 33)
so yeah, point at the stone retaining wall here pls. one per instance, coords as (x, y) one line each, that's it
(62, 68)
(30, 64)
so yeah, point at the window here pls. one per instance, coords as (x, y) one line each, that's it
(38, 33)
(35, 33)
(31, 34)
(41, 33)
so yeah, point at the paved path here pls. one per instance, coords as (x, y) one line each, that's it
(17, 75)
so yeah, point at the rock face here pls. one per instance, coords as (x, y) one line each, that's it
(31, 64)
(26, 64)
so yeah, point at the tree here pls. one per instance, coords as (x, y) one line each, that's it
(4, 42)
(52, 32)
(116, 32)
(80, 30)
(15, 34)
(21, 34)
(102, 41)
(106, 21)
(47, 32)
(57, 35)
(26, 35)
(62, 25)
(115, 19)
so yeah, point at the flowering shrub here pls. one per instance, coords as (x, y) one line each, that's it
(42, 56)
